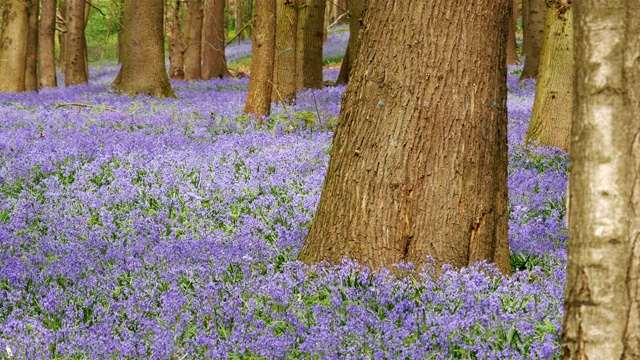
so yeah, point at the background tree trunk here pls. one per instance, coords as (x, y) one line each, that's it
(31, 65)
(176, 46)
(603, 274)
(240, 19)
(355, 9)
(75, 71)
(512, 46)
(193, 42)
(284, 72)
(46, 45)
(419, 160)
(214, 64)
(264, 43)
(13, 45)
(309, 44)
(552, 107)
(62, 35)
(533, 16)
(143, 69)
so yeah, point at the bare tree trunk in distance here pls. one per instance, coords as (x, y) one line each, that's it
(46, 45)
(284, 72)
(419, 160)
(309, 44)
(264, 44)
(193, 42)
(13, 45)
(355, 9)
(176, 46)
(62, 35)
(552, 107)
(143, 69)
(75, 71)
(533, 16)
(602, 294)
(512, 48)
(214, 64)
(31, 65)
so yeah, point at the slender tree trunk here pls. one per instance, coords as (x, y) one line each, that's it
(46, 45)
(31, 66)
(355, 9)
(264, 43)
(193, 42)
(533, 19)
(13, 45)
(143, 69)
(62, 35)
(214, 64)
(240, 19)
(309, 44)
(602, 295)
(552, 108)
(176, 47)
(512, 48)
(419, 160)
(284, 73)
(75, 71)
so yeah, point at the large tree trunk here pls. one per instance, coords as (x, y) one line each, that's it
(602, 295)
(46, 45)
(512, 47)
(143, 69)
(75, 70)
(419, 160)
(193, 41)
(31, 65)
(13, 45)
(309, 44)
(284, 72)
(552, 108)
(176, 46)
(264, 43)
(533, 15)
(355, 9)
(214, 64)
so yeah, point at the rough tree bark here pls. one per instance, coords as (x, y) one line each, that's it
(355, 9)
(552, 107)
(176, 46)
(419, 160)
(193, 40)
(46, 45)
(284, 72)
(143, 69)
(533, 16)
(13, 45)
(214, 64)
(309, 44)
(75, 71)
(264, 43)
(602, 295)
(62, 35)
(31, 65)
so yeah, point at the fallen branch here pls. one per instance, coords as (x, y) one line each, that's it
(87, 106)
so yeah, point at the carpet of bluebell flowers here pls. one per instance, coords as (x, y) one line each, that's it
(169, 228)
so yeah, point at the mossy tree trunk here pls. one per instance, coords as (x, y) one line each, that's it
(602, 295)
(310, 35)
(46, 45)
(176, 46)
(533, 15)
(284, 72)
(419, 160)
(143, 68)
(214, 64)
(13, 45)
(552, 107)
